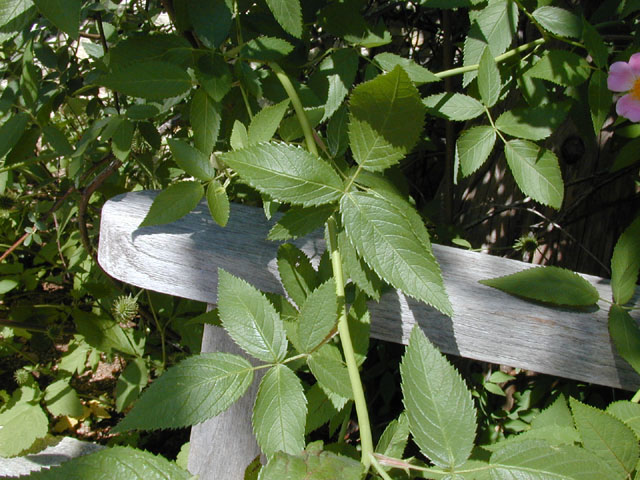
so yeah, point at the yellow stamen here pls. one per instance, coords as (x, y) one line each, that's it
(635, 90)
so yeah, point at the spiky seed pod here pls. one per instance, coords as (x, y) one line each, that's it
(526, 243)
(21, 376)
(125, 308)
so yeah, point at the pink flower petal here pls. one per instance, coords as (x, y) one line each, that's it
(634, 62)
(621, 77)
(629, 107)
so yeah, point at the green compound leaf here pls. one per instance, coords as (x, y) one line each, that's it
(536, 171)
(288, 14)
(534, 123)
(547, 284)
(250, 319)
(442, 418)
(173, 203)
(607, 437)
(561, 67)
(489, 81)
(194, 390)
(116, 462)
(61, 399)
(64, 14)
(453, 106)
(218, 202)
(153, 80)
(286, 173)
(391, 238)
(299, 221)
(296, 273)
(474, 147)
(625, 263)
(191, 160)
(311, 465)
(377, 109)
(318, 316)
(559, 21)
(205, 120)
(331, 372)
(600, 99)
(625, 334)
(265, 124)
(417, 74)
(280, 412)
(266, 49)
(628, 412)
(22, 425)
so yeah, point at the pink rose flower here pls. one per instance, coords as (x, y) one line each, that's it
(625, 77)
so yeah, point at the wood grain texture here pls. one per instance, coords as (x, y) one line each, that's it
(183, 259)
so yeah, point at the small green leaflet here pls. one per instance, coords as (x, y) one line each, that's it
(454, 106)
(12, 9)
(250, 319)
(64, 14)
(318, 316)
(286, 173)
(559, 21)
(333, 79)
(22, 425)
(288, 14)
(61, 399)
(218, 202)
(280, 412)
(357, 270)
(607, 437)
(174, 203)
(625, 334)
(536, 171)
(391, 238)
(547, 284)
(561, 67)
(311, 465)
(191, 160)
(535, 123)
(299, 221)
(11, 131)
(474, 147)
(331, 372)
(209, 384)
(627, 155)
(296, 273)
(266, 49)
(136, 49)
(595, 44)
(417, 74)
(442, 418)
(153, 80)
(628, 412)
(205, 118)
(625, 263)
(57, 139)
(122, 138)
(600, 99)
(239, 138)
(116, 462)
(394, 438)
(322, 407)
(214, 75)
(264, 125)
(211, 20)
(376, 108)
(130, 383)
(489, 81)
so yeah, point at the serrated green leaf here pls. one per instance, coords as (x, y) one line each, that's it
(205, 120)
(628, 412)
(333, 79)
(153, 80)
(318, 316)
(625, 263)
(64, 14)
(338, 132)
(557, 413)
(561, 67)
(454, 106)
(489, 81)
(600, 99)
(296, 273)
(377, 108)
(61, 399)
(191, 160)
(211, 20)
(392, 239)
(130, 383)
(280, 412)
(394, 439)
(595, 44)
(331, 373)
(194, 390)
(288, 14)
(214, 76)
(559, 21)
(311, 465)
(239, 138)
(58, 140)
(173, 203)
(116, 462)
(322, 407)
(218, 202)
(250, 319)
(290, 128)
(417, 74)
(106, 335)
(625, 334)
(441, 415)
(265, 123)
(357, 269)
(607, 437)
(547, 284)
(266, 49)
(122, 138)
(534, 123)
(300, 221)
(493, 28)
(11, 132)
(536, 171)
(286, 173)
(21, 425)
(136, 49)
(10, 10)
(474, 147)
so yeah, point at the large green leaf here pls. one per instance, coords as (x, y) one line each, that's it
(191, 160)
(442, 418)
(628, 412)
(299, 221)
(625, 334)
(116, 462)
(489, 81)
(534, 123)
(625, 263)
(547, 284)
(265, 123)
(390, 236)
(318, 316)
(122, 138)
(153, 80)
(288, 14)
(394, 438)
(296, 273)
(474, 147)
(280, 412)
(194, 390)
(561, 67)
(417, 74)
(311, 465)
(130, 383)
(22, 425)
(250, 319)
(600, 99)
(218, 202)
(379, 132)
(331, 372)
(205, 120)
(106, 335)
(61, 399)
(266, 49)
(536, 171)
(173, 203)
(64, 14)
(454, 106)
(286, 173)
(559, 21)
(12, 9)
(607, 437)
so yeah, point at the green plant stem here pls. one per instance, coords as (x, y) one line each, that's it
(297, 106)
(379, 468)
(636, 397)
(366, 441)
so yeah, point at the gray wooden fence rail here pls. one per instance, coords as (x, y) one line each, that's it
(182, 259)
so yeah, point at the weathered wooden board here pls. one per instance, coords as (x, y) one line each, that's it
(183, 258)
